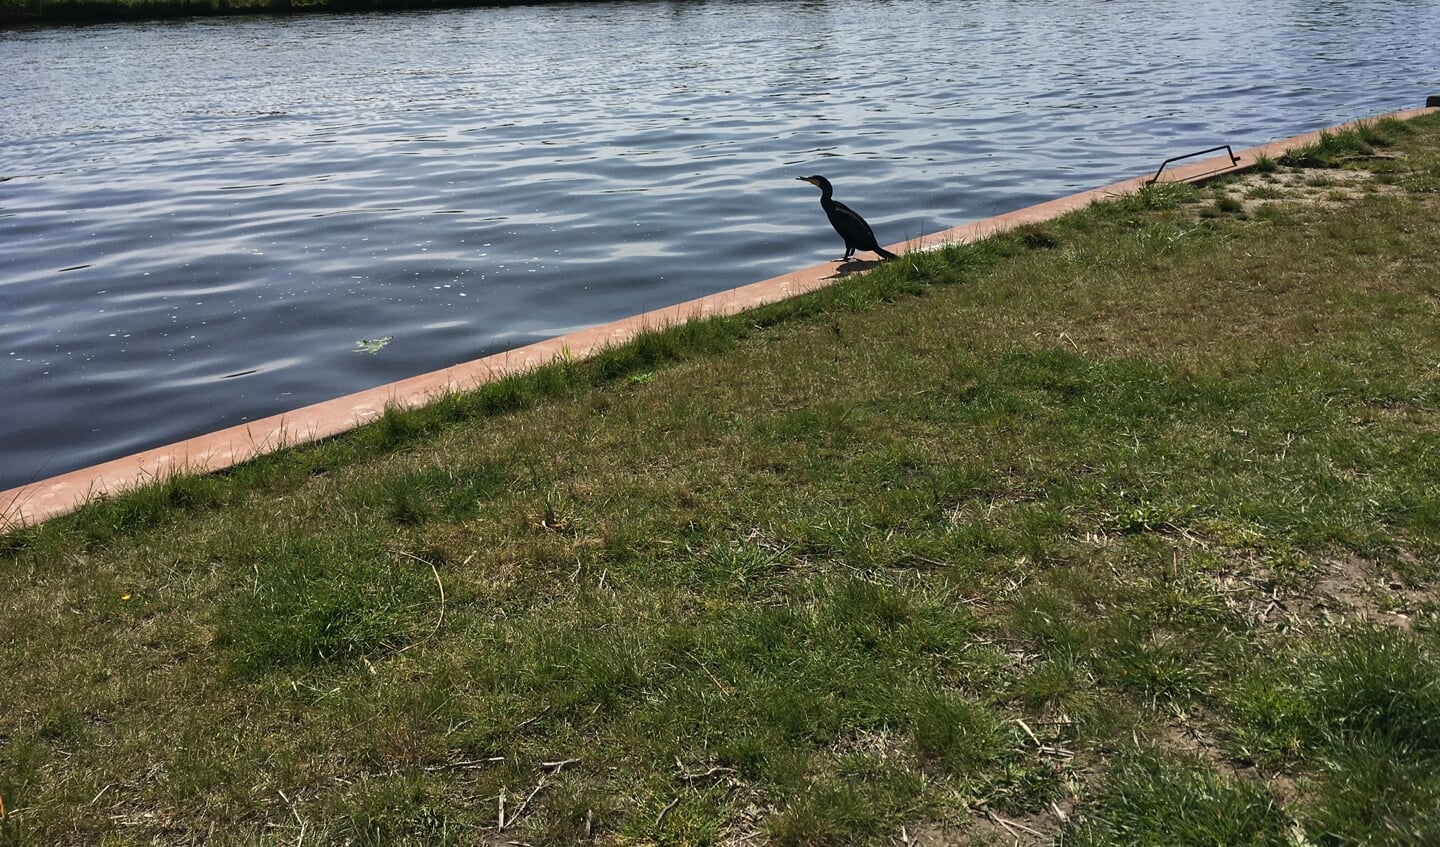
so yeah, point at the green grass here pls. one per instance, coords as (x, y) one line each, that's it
(1120, 528)
(1169, 801)
(1338, 148)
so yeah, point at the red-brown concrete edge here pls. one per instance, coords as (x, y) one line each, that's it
(216, 451)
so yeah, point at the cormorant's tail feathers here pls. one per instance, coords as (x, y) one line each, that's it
(885, 254)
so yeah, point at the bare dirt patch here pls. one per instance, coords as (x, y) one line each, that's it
(1321, 187)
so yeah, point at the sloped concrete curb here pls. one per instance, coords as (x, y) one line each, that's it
(225, 448)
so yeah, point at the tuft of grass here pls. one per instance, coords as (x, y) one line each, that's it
(1265, 164)
(829, 813)
(962, 736)
(1333, 149)
(1228, 205)
(1264, 192)
(1037, 237)
(1354, 686)
(1360, 707)
(1163, 800)
(314, 601)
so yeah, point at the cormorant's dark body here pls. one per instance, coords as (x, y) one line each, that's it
(847, 222)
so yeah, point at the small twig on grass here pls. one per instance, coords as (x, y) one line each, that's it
(558, 765)
(1005, 825)
(689, 776)
(1011, 826)
(467, 763)
(296, 812)
(529, 721)
(665, 811)
(519, 811)
(724, 689)
(441, 619)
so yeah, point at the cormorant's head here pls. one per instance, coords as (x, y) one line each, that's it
(819, 181)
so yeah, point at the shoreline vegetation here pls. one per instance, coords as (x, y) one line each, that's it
(22, 12)
(1116, 529)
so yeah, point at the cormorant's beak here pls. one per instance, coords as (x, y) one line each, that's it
(805, 179)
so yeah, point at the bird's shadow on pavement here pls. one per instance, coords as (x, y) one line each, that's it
(852, 266)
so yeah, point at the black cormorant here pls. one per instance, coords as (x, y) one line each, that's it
(847, 222)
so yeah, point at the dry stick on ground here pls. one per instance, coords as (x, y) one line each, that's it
(687, 776)
(1010, 826)
(465, 763)
(665, 811)
(93, 800)
(519, 811)
(558, 765)
(724, 689)
(1028, 731)
(438, 621)
(529, 721)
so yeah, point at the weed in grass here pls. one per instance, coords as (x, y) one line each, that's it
(16, 540)
(1173, 644)
(415, 497)
(740, 566)
(1051, 618)
(148, 506)
(1164, 195)
(1155, 665)
(506, 395)
(395, 428)
(1146, 517)
(1422, 181)
(1062, 685)
(577, 668)
(1359, 706)
(1037, 237)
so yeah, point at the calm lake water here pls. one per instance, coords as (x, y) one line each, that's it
(200, 221)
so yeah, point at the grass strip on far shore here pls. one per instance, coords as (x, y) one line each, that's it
(1119, 529)
(85, 11)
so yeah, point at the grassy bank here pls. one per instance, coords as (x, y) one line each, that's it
(1119, 529)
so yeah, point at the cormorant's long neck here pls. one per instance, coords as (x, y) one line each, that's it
(826, 193)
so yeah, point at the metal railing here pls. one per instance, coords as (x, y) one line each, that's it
(1234, 160)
